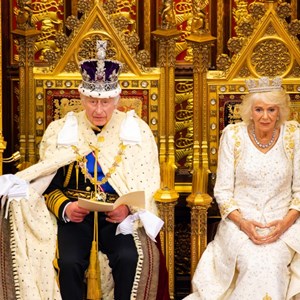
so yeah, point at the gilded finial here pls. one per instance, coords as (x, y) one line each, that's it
(267, 297)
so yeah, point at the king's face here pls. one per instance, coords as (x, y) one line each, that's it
(98, 110)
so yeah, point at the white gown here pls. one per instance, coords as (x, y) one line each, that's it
(263, 186)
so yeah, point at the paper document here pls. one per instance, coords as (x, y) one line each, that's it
(136, 199)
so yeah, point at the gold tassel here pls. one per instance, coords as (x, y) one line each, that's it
(93, 271)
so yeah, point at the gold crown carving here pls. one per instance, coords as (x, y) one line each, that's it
(264, 84)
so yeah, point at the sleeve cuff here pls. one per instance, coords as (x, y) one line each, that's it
(56, 202)
(227, 207)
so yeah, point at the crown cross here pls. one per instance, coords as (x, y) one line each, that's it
(101, 49)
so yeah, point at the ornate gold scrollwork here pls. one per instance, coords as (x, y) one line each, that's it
(271, 57)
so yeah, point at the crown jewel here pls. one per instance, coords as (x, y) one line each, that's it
(100, 75)
(264, 84)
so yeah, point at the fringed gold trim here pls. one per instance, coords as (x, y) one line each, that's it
(139, 263)
(13, 258)
(148, 283)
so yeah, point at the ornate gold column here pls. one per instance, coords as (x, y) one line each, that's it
(167, 197)
(199, 201)
(26, 34)
(2, 142)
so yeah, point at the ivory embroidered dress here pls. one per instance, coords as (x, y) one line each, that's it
(263, 186)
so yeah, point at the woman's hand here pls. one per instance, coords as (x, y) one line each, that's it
(118, 214)
(278, 227)
(76, 213)
(271, 232)
(254, 230)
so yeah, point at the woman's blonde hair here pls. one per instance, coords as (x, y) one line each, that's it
(278, 98)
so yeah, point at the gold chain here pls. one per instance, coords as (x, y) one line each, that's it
(82, 164)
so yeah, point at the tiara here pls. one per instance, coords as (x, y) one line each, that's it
(100, 75)
(264, 84)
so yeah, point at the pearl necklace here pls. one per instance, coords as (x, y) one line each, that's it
(259, 144)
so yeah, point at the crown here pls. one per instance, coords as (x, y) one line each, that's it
(264, 84)
(100, 75)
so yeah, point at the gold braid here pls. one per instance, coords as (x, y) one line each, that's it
(68, 176)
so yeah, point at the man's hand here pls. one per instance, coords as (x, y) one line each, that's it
(118, 214)
(75, 213)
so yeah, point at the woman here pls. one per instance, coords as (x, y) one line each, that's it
(255, 253)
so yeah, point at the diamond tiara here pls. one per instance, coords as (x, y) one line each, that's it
(264, 84)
